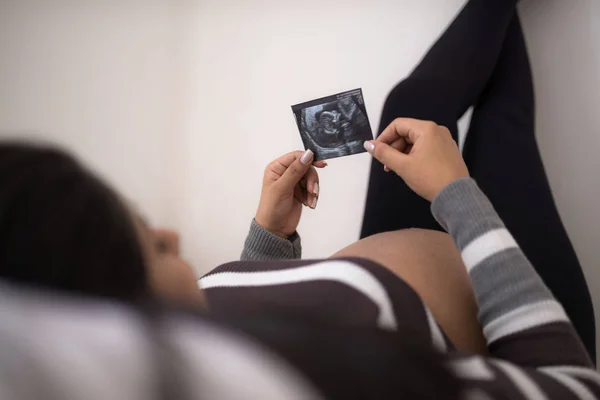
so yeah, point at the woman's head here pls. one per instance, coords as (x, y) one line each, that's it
(63, 228)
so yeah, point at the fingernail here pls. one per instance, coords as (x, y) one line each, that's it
(316, 189)
(369, 146)
(314, 203)
(307, 157)
(386, 169)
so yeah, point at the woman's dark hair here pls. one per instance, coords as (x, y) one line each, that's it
(62, 228)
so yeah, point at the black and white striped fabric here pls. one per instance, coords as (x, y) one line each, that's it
(534, 352)
(353, 293)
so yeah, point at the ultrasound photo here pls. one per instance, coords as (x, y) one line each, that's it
(334, 126)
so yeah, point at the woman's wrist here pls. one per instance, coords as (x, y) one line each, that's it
(262, 244)
(265, 225)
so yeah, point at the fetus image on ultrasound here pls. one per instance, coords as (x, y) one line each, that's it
(334, 126)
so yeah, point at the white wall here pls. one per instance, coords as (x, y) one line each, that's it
(100, 78)
(564, 42)
(182, 104)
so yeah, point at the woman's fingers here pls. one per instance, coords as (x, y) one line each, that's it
(437, 163)
(392, 158)
(311, 201)
(312, 187)
(277, 168)
(303, 196)
(400, 145)
(312, 181)
(300, 194)
(407, 128)
(307, 190)
(296, 170)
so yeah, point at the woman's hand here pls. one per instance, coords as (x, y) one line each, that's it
(422, 153)
(288, 183)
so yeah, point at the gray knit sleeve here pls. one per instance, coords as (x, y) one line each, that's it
(262, 245)
(513, 301)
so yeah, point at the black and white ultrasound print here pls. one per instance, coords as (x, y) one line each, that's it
(334, 126)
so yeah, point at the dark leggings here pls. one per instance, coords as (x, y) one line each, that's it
(481, 60)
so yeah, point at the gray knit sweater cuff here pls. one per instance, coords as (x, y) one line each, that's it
(462, 198)
(262, 245)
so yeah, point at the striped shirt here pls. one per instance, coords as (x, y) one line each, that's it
(534, 352)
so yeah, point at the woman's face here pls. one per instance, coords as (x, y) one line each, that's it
(170, 276)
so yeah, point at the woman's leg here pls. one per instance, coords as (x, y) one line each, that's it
(430, 263)
(446, 82)
(502, 155)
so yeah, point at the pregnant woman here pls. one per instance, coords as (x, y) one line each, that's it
(498, 307)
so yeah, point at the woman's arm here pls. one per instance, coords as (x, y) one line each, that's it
(289, 183)
(521, 319)
(262, 245)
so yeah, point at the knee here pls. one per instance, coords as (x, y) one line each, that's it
(415, 98)
(398, 100)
